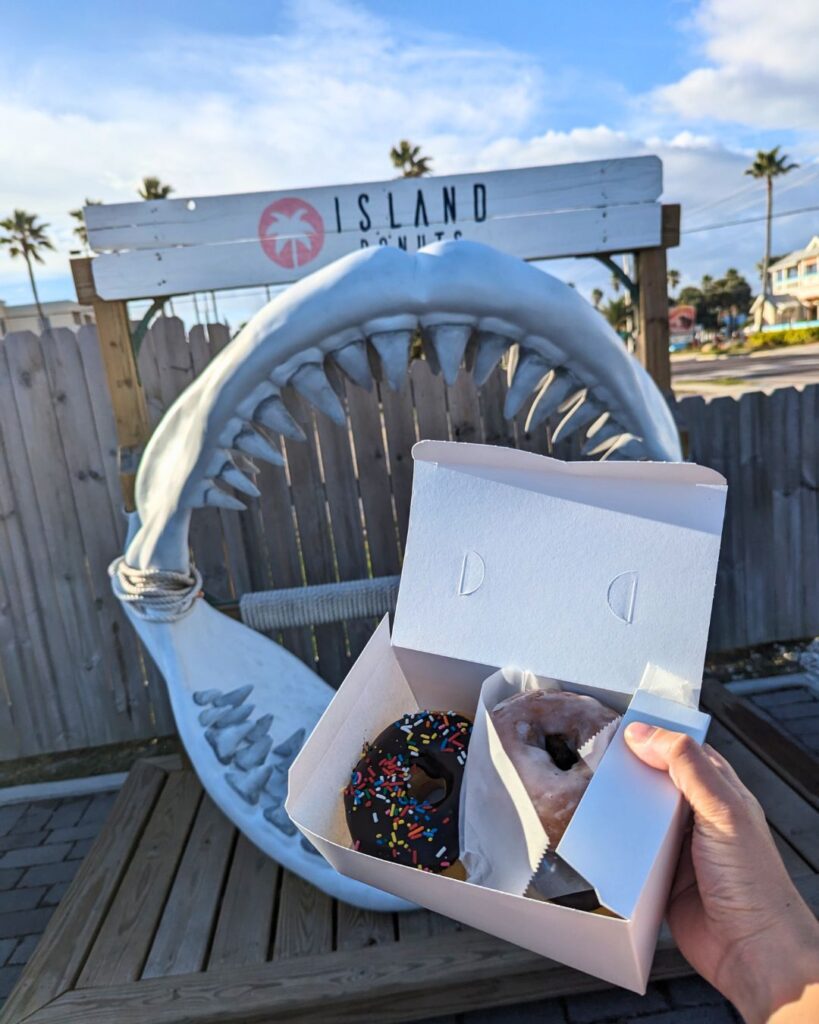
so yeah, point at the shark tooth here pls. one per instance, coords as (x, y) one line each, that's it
(215, 497)
(234, 697)
(430, 355)
(308, 846)
(260, 728)
(311, 383)
(449, 342)
(600, 434)
(235, 425)
(249, 785)
(203, 697)
(247, 407)
(280, 819)
(598, 424)
(272, 413)
(393, 350)
(254, 755)
(576, 416)
(353, 361)
(275, 789)
(234, 477)
(291, 746)
(601, 441)
(209, 716)
(551, 394)
(233, 716)
(251, 442)
(626, 446)
(525, 374)
(489, 347)
(225, 742)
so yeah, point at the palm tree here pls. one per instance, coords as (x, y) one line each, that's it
(768, 165)
(617, 313)
(27, 238)
(673, 277)
(616, 284)
(153, 188)
(596, 297)
(80, 229)
(407, 158)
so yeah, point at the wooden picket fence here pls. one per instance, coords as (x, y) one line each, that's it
(72, 673)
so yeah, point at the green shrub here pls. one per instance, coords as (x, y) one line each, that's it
(778, 339)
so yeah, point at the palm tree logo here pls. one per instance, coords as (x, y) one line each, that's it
(291, 232)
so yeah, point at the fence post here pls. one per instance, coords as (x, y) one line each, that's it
(652, 271)
(124, 386)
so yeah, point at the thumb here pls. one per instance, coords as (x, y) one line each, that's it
(688, 767)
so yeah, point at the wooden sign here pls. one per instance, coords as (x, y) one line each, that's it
(176, 246)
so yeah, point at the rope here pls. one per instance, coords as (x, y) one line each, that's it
(153, 594)
(271, 610)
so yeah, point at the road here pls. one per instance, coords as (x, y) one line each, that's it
(734, 374)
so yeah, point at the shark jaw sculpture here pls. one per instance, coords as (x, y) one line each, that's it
(243, 704)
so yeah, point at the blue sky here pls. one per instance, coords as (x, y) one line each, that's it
(226, 97)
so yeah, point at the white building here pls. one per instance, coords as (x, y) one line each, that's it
(63, 313)
(794, 288)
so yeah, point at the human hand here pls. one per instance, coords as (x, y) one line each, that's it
(734, 912)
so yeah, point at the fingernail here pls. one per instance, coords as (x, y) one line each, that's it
(639, 732)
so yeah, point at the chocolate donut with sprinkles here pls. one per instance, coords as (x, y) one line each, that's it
(403, 798)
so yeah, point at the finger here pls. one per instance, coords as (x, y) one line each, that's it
(688, 766)
(685, 876)
(728, 771)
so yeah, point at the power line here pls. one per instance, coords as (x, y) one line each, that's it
(749, 220)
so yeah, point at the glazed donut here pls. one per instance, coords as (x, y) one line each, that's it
(394, 802)
(541, 732)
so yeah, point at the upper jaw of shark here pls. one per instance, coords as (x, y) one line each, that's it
(468, 300)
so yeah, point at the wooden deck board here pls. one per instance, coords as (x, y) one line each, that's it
(125, 937)
(181, 942)
(359, 929)
(173, 920)
(305, 921)
(242, 935)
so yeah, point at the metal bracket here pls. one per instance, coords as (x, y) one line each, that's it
(141, 328)
(631, 286)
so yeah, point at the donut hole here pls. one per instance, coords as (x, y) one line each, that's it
(430, 788)
(562, 751)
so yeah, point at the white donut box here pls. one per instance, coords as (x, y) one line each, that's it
(599, 575)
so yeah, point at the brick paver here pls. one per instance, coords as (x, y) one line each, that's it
(47, 853)
(42, 845)
(50, 874)
(9, 816)
(9, 877)
(8, 979)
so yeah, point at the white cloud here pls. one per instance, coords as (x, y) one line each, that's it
(762, 65)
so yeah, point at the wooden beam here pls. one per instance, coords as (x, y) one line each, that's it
(671, 225)
(652, 327)
(125, 389)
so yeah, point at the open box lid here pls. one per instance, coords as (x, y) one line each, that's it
(583, 572)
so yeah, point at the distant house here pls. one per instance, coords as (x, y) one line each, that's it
(63, 313)
(794, 288)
